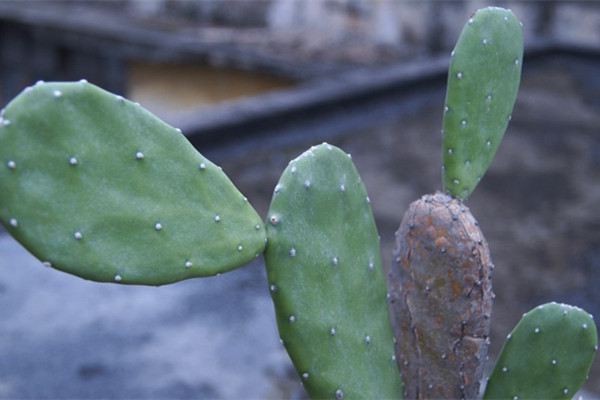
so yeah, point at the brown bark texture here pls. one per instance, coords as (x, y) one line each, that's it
(441, 299)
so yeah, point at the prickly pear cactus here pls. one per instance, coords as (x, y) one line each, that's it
(325, 276)
(94, 185)
(441, 299)
(547, 356)
(483, 81)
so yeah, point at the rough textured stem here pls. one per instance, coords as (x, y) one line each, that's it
(328, 287)
(441, 299)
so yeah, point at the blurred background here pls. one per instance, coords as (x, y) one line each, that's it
(254, 83)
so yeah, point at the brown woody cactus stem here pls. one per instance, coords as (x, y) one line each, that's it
(441, 299)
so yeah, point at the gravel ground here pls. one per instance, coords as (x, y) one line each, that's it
(62, 337)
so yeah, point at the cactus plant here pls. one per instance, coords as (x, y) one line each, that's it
(547, 356)
(325, 276)
(440, 283)
(76, 183)
(98, 187)
(483, 80)
(441, 299)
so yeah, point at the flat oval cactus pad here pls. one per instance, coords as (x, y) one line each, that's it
(548, 355)
(96, 186)
(326, 279)
(483, 80)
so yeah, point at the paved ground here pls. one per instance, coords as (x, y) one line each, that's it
(62, 337)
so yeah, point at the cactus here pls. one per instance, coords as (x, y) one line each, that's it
(98, 187)
(483, 81)
(325, 276)
(441, 299)
(440, 282)
(547, 356)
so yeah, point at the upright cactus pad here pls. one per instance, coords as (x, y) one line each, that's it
(441, 298)
(96, 186)
(547, 356)
(325, 275)
(483, 81)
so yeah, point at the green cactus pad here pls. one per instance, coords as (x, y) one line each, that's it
(483, 81)
(98, 187)
(547, 356)
(325, 275)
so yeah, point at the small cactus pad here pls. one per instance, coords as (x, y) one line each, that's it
(441, 299)
(98, 187)
(483, 80)
(547, 356)
(324, 269)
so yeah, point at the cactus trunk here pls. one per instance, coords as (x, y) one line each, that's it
(441, 301)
